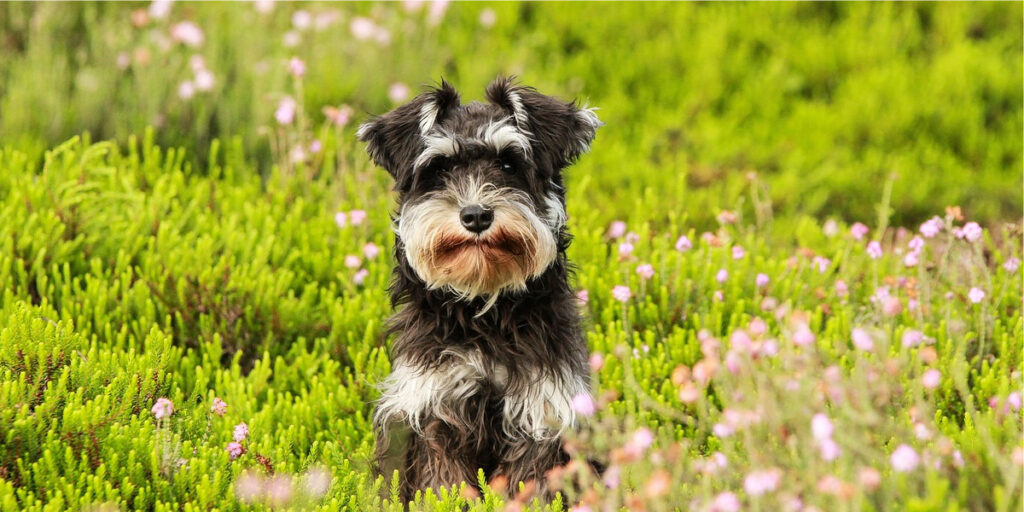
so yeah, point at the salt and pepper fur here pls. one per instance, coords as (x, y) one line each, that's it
(488, 350)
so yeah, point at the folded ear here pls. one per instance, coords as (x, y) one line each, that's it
(560, 132)
(395, 139)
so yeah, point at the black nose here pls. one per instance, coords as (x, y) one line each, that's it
(476, 217)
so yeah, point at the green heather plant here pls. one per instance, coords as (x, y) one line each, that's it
(797, 240)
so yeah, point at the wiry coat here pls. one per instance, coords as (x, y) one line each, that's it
(483, 370)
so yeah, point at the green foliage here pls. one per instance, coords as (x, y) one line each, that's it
(823, 102)
(133, 269)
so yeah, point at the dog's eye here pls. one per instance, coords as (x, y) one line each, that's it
(506, 165)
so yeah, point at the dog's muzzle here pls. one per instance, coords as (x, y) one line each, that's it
(477, 240)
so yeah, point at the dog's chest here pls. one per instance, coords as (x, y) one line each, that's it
(537, 404)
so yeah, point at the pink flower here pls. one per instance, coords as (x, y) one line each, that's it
(922, 432)
(279, 490)
(683, 244)
(916, 244)
(285, 112)
(830, 228)
(829, 450)
(197, 63)
(187, 33)
(240, 432)
(616, 229)
(316, 482)
(264, 6)
(204, 80)
(296, 67)
(830, 484)
(315, 146)
(821, 263)
(722, 275)
(972, 231)
(625, 249)
(360, 277)
(371, 250)
(362, 28)
(341, 219)
(186, 90)
(612, 476)
(632, 237)
(958, 458)
(725, 502)
(646, 271)
(352, 261)
(689, 393)
(357, 217)
(249, 485)
(583, 404)
(159, 9)
(1014, 400)
(858, 231)
(911, 338)
(904, 458)
(488, 17)
(910, 259)
(338, 116)
(301, 19)
(821, 427)
(235, 450)
(862, 340)
(398, 92)
(219, 407)
(761, 280)
(874, 250)
(642, 438)
(976, 295)
(803, 336)
(1011, 265)
(760, 482)
(891, 306)
(932, 227)
(163, 408)
(596, 361)
(583, 297)
(757, 326)
(870, 478)
(739, 340)
(435, 13)
(842, 289)
(722, 430)
(738, 253)
(621, 293)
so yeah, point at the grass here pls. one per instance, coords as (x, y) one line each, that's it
(202, 258)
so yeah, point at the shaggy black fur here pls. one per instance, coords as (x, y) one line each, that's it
(530, 333)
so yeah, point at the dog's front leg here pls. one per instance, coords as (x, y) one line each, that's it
(437, 457)
(525, 459)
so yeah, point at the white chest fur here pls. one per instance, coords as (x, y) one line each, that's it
(537, 405)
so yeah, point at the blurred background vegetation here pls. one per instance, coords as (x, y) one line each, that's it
(818, 106)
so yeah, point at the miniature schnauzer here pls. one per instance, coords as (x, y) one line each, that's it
(488, 350)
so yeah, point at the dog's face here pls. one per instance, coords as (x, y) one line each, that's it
(480, 185)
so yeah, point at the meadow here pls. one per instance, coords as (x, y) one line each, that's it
(797, 241)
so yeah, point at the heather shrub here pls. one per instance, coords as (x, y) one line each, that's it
(797, 248)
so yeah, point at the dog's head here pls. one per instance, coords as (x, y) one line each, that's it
(482, 206)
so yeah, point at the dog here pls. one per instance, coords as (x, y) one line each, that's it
(488, 350)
